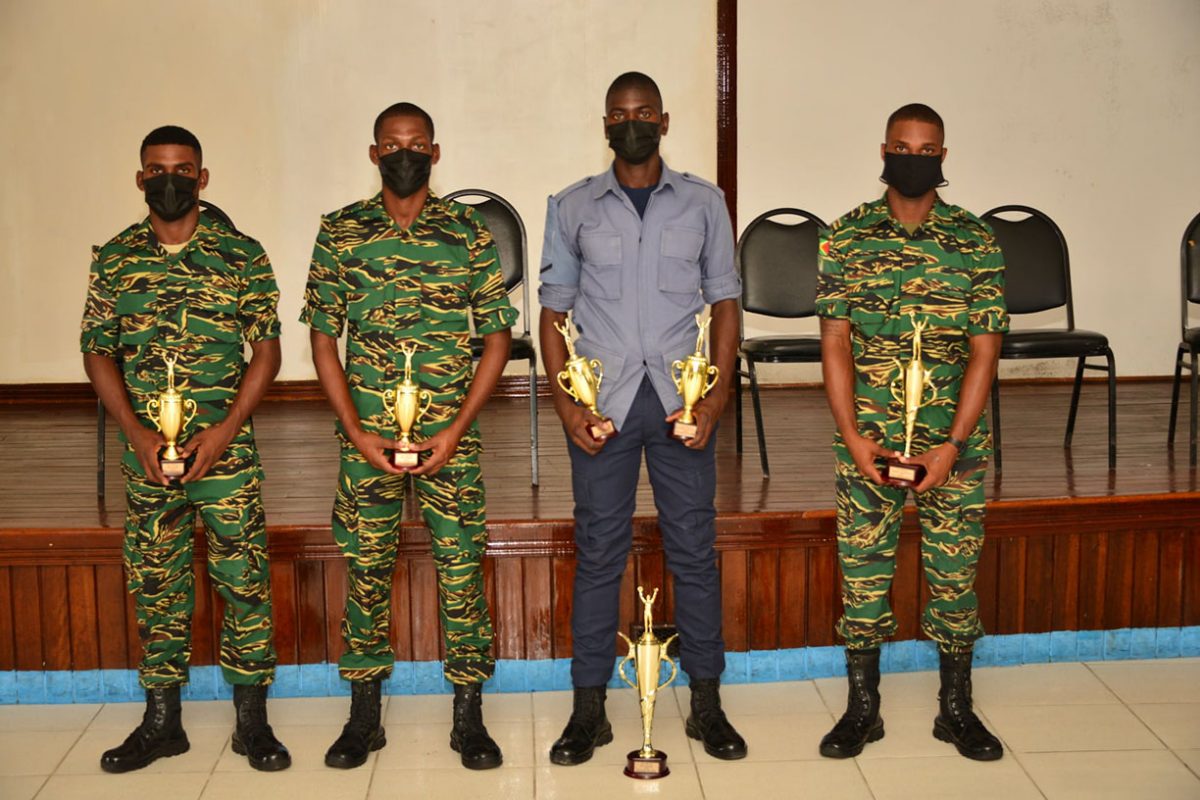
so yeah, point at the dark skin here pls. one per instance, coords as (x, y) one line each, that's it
(641, 104)
(837, 363)
(211, 443)
(398, 133)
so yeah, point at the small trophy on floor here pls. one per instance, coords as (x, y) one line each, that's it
(580, 378)
(406, 405)
(171, 413)
(910, 388)
(646, 654)
(693, 378)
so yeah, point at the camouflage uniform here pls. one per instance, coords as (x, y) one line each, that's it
(200, 305)
(425, 284)
(873, 273)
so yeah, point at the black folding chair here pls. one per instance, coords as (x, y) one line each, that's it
(778, 264)
(1038, 278)
(1189, 261)
(508, 232)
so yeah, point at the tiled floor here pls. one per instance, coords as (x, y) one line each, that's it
(1108, 730)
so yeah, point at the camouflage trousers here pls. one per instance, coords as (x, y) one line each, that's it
(366, 525)
(868, 531)
(159, 532)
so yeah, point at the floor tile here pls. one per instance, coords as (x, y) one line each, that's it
(908, 733)
(123, 787)
(62, 717)
(34, 752)
(1031, 729)
(784, 780)
(20, 787)
(492, 784)
(1177, 724)
(1036, 684)
(1174, 680)
(1119, 776)
(588, 782)
(790, 737)
(947, 777)
(206, 747)
(896, 690)
(306, 743)
(773, 699)
(1191, 758)
(427, 746)
(438, 708)
(324, 711)
(621, 704)
(339, 784)
(667, 736)
(196, 714)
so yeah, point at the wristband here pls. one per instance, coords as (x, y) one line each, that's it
(958, 444)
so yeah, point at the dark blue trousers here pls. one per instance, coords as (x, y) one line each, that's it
(605, 485)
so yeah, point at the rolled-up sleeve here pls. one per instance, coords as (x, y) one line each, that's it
(988, 312)
(559, 271)
(324, 297)
(100, 323)
(258, 303)
(831, 282)
(490, 310)
(719, 279)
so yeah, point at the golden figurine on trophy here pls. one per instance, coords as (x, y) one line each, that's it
(646, 655)
(693, 378)
(406, 405)
(171, 413)
(915, 380)
(580, 378)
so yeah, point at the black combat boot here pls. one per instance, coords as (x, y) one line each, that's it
(160, 734)
(586, 730)
(861, 723)
(363, 734)
(956, 722)
(253, 737)
(468, 737)
(707, 722)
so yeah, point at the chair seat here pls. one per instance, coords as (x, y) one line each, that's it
(1053, 344)
(521, 348)
(1191, 337)
(782, 348)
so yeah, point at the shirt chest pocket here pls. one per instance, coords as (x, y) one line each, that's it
(367, 308)
(445, 296)
(679, 265)
(948, 295)
(137, 317)
(212, 314)
(601, 273)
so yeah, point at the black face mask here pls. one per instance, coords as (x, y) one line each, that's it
(405, 171)
(912, 176)
(170, 196)
(634, 140)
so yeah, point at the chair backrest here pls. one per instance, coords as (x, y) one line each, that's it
(779, 265)
(508, 232)
(1189, 260)
(1037, 267)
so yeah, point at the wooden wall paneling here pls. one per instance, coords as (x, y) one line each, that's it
(538, 604)
(793, 572)
(1191, 579)
(650, 572)
(628, 609)
(310, 610)
(824, 596)
(1065, 590)
(1118, 597)
(1039, 584)
(207, 613)
(283, 610)
(56, 623)
(1144, 601)
(401, 628)
(426, 628)
(1010, 586)
(27, 621)
(763, 600)
(906, 586)
(509, 619)
(733, 599)
(81, 599)
(1093, 565)
(563, 585)
(1170, 578)
(133, 639)
(987, 582)
(336, 577)
(8, 656)
(110, 617)
(489, 589)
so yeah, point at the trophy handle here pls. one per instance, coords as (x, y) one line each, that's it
(677, 379)
(562, 382)
(189, 408)
(597, 368)
(664, 657)
(427, 396)
(389, 403)
(153, 407)
(626, 660)
(933, 389)
(898, 395)
(713, 374)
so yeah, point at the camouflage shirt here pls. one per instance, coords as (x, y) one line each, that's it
(950, 272)
(427, 285)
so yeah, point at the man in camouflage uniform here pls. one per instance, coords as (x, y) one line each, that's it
(186, 286)
(910, 258)
(406, 268)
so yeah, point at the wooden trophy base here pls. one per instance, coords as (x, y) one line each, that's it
(684, 430)
(904, 476)
(405, 459)
(173, 468)
(602, 431)
(646, 768)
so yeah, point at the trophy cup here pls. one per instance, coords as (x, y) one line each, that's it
(646, 654)
(916, 381)
(695, 378)
(406, 404)
(171, 413)
(580, 378)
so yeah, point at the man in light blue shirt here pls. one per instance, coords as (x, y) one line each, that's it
(634, 254)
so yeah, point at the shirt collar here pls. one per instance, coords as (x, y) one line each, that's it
(205, 231)
(608, 182)
(879, 215)
(433, 204)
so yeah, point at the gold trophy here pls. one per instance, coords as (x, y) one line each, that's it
(171, 413)
(916, 382)
(646, 654)
(695, 378)
(580, 378)
(406, 405)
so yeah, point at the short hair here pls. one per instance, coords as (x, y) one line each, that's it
(634, 80)
(171, 134)
(918, 112)
(403, 110)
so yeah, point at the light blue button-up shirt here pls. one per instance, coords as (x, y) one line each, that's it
(636, 284)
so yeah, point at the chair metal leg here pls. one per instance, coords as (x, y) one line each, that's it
(1112, 408)
(1179, 352)
(533, 419)
(1074, 402)
(101, 428)
(996, 419)
(1195, 397)
(737, 399)
(758, 420)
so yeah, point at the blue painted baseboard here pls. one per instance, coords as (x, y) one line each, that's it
(425, 677)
